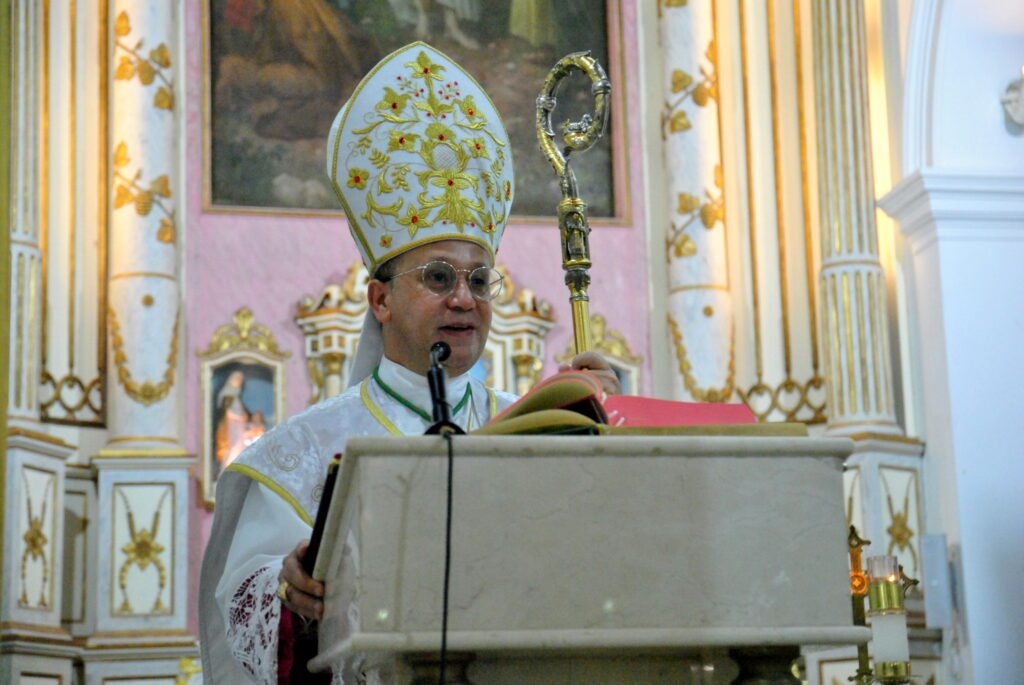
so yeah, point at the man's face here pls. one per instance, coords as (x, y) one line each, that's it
(413, 318)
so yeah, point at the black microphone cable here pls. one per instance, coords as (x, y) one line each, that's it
(447, 558)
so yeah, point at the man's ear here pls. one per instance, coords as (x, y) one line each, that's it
(378, 296)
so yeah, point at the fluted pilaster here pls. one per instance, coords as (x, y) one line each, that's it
(854, 319)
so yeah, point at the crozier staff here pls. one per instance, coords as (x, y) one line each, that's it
(421, 162)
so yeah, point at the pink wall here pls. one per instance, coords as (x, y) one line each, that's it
(268, 262)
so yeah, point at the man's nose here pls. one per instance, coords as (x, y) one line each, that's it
(461, 297)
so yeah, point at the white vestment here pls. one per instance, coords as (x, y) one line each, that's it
(268, 498)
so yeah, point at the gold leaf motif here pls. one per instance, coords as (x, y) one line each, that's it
(165, 234)
(125, 69)
(676, 3)
(684, 246)
(710, 214)
(122, 25)
(144, 202)
(146, 72)
(161, 186)
(680, 122)
(161, 56)
(122, 196)
(121, 155)
(163, 99)
(680, 80)
(687, 203)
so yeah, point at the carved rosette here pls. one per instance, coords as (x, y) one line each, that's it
(700, 317)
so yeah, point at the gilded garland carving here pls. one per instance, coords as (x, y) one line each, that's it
(129, 190)
(133, 64)
(141, 551)
(698, 393)
(148, 392)
(244, 335)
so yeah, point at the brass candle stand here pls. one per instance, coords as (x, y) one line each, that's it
(885, 585)
(572, 210)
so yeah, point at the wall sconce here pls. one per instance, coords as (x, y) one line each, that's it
(1013, 100)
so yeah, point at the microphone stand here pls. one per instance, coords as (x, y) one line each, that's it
(446, 428)
(442, 411)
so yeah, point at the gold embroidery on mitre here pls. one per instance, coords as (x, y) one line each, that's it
(418, 154)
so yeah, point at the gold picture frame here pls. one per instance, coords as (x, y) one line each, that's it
(239, 75)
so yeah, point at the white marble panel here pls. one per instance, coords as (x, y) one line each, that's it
(155, 491)
(595, 543)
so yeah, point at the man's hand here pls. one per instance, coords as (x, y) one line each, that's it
(596, 364)
(302, 594)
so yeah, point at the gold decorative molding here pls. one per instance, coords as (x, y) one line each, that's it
(129, 191)
(244, 335)
(85, 397)
(800, 407)
(147, 393)
(133, 64)
(608, 342)
(35, 435)
(143, 550)
(187, 668)
(36, 544)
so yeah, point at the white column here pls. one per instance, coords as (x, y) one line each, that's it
(143, 314)
(854, 322)
(700, 318)
(966, 233)
(140, 593)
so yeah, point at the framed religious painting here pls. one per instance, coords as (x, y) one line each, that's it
(242, 381)
(278, 71)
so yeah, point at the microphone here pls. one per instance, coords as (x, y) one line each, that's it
(442, 412)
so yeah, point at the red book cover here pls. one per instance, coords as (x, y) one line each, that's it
(630, 410)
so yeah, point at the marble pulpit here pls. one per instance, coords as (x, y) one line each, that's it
(583, 555)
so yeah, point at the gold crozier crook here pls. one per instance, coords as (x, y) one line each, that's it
(577, 136)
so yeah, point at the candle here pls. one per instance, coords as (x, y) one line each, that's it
(889, 643)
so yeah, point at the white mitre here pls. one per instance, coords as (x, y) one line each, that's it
(418, 154)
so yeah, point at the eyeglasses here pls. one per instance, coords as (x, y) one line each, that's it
(440, 278)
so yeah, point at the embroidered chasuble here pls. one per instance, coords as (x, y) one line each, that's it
(268, 497)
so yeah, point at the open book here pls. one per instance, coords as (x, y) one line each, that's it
(573, 402)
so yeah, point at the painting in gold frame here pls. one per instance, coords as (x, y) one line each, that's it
(277, 71)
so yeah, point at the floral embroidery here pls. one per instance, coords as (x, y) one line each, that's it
(357, 178)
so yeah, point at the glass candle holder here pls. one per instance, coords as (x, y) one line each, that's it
(887, 613)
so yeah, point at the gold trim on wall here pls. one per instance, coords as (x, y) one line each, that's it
(805, 193)
(751, 212)
(6, 88)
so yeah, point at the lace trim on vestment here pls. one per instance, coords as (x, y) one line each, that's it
(253, 616)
